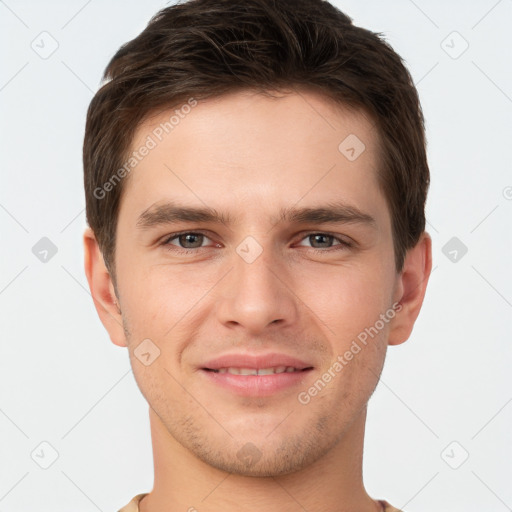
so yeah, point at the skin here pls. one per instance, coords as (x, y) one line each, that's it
(250, 155)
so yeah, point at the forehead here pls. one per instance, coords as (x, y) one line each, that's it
(244, 148)
(245, 118)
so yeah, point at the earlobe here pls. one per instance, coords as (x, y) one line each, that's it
(411, 289)
(102, 289)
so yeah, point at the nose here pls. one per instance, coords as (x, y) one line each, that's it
(257, 294)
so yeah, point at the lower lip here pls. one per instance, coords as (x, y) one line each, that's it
(257, 385)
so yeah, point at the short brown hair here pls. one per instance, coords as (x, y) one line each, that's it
(202, 49)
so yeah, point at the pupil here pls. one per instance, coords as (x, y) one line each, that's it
(189, 238)
(319, 237)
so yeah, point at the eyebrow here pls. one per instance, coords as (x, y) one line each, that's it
(169, 213)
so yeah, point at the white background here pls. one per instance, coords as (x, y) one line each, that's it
(63, 382)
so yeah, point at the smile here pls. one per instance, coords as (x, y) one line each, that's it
(256, 371)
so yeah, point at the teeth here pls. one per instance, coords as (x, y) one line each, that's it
(266, 371)
(245, 371)
(254, 371)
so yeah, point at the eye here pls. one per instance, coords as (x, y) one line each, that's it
(325, 241)
(186, 240)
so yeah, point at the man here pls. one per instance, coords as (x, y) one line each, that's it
(256, 176)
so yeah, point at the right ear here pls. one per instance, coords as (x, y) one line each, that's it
(102, 289)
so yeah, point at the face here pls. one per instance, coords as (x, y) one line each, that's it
(254, 310)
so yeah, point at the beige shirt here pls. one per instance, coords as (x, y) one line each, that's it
(133, 506)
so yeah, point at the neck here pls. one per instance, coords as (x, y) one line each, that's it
(185, 483)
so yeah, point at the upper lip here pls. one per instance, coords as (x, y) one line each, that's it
(255, 361)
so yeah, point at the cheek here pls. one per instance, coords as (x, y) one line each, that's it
(158, 384)
(160, 298)
(346, 300)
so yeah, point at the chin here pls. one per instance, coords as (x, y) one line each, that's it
(264, 455)
(271, 466)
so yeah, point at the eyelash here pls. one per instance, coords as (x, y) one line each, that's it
(343, 244)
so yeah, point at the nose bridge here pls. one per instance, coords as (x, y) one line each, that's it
(255, 294)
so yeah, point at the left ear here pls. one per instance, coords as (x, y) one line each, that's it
(411, 287)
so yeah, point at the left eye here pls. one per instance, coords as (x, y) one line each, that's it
(324, 240)
(188, 240)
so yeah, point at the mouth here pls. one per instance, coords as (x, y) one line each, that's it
(256, 375)
(258, 371)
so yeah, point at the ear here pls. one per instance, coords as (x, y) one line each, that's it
(102, 290)
(410, 290)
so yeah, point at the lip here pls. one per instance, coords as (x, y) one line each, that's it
(256, 385)
(256, 361)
